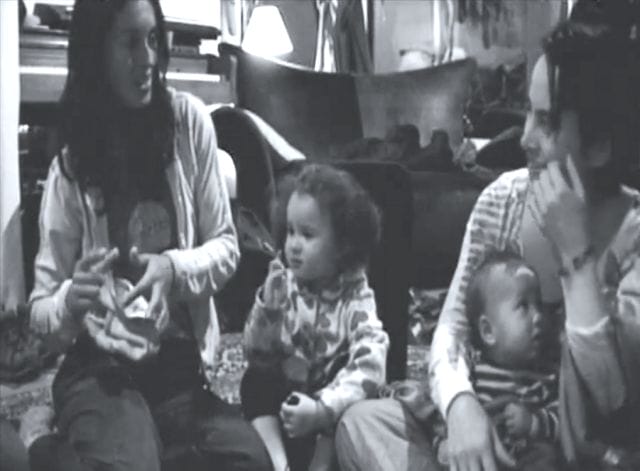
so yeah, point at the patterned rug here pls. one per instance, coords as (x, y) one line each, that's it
(17, 398)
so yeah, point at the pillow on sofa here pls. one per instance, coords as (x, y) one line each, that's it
(431, 98)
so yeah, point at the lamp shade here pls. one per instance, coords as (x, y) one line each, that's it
(266, 33)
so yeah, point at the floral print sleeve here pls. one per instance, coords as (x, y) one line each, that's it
(365, 369)
(263, 332)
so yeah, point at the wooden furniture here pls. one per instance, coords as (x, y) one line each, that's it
(43, 71)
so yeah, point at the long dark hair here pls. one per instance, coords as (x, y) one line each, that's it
(99, 134)
(594, 70)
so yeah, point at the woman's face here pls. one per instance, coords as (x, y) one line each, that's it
(540, 141)
(132, 53)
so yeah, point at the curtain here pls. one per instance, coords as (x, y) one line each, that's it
(235, 16)
(342, 43)
(11, 265)
(443, 30)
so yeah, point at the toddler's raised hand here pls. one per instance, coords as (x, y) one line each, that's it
(275, 292)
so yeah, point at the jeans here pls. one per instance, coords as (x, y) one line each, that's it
(262, 392)
(112, 414)
(382, 435)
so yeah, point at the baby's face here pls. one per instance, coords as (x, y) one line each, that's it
(513, 307)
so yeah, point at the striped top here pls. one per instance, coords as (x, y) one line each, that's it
(495, 387)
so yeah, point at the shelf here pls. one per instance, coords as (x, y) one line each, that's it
(44, 84)
(43, 72)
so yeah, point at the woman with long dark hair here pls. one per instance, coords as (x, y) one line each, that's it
(571, 218)
(134, 216)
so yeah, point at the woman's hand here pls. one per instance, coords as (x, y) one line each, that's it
(560, 210)
(473, 441)
(112, 336)
(158, 277)
(300, 415)
(274, 293)
(88, 278)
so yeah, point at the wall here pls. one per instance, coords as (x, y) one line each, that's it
(398, 25)
(406, 24)
(301, 21)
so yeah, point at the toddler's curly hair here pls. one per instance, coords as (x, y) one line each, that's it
(355, 217)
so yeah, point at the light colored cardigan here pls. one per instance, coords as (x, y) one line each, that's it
(207, 253)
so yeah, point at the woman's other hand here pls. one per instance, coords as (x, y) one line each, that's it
(473, 441)
(559, 208)
(88, 278)
(112, 336)
(158, 277)
(274, 293)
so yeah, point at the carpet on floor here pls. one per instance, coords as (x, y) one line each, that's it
(17, 397)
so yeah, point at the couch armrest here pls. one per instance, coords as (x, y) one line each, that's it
(442, 204)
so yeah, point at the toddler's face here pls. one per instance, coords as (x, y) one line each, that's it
(310, 246)
(514, 309)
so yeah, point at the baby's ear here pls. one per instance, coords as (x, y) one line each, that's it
(485, 329)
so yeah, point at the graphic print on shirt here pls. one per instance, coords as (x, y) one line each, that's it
(149, 227)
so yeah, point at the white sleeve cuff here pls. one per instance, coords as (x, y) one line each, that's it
(449, 382)
(598, 328)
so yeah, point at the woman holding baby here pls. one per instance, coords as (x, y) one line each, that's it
(578, 227)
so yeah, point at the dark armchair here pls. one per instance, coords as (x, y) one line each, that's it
(317, 111)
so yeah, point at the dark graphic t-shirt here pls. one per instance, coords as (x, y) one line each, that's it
(148, 223)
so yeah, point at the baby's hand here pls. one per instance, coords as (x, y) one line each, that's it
(517, 420)
(300, 415)
(275, 290)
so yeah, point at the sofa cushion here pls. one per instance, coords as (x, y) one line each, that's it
(431, 98)
(442, 203)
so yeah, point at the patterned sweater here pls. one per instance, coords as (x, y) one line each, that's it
(336, 332)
